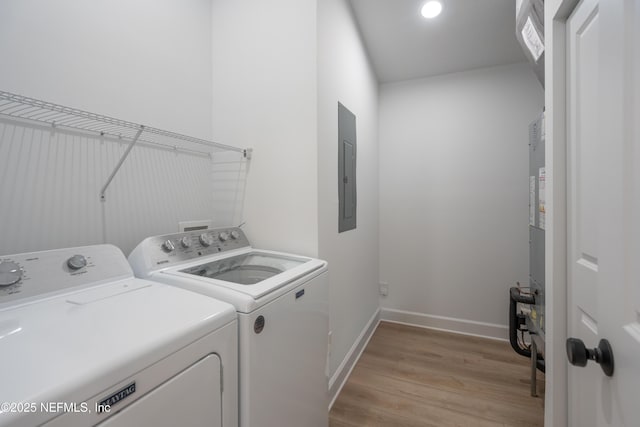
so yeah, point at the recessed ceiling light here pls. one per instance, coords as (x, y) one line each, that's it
(431, 9)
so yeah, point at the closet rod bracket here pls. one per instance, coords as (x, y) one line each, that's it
(122, 159)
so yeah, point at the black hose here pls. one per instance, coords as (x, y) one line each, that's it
(516, 297)
(514, 321)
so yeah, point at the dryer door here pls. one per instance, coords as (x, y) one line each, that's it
(190, 399)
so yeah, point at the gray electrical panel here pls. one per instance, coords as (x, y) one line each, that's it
(537, 220)
(346, 169)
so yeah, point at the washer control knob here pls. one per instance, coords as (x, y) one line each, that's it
(224, 236)
(235, 234)
(206, 240)
(10, 273)
(186, 242)
(168, 246)
(77, 262)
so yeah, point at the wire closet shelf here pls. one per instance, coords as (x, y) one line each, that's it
(58, 116)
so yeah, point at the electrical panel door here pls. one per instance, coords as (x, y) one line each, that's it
(346, 169)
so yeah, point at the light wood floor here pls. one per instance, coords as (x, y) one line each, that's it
(410, 376)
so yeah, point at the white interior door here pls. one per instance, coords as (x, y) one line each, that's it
(619, 290)
(582, 225)
(604, 207)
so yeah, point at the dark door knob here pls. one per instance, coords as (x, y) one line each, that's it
(579, 355)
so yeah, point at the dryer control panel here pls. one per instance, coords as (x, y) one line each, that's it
(157, 252)
(29, 275)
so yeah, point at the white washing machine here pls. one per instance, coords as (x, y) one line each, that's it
(282, 302)
(84, 343)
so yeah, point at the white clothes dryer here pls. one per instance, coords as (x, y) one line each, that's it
(84, 343)
(282, 302)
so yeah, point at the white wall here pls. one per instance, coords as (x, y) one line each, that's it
(279, 70)
(345, 75)
(454, 193)
(146, 61)
(265, 97)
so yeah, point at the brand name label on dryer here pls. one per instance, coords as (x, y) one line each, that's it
(117, 397)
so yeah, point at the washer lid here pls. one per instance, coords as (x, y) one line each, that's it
(70, 347)
(254, 273)
(247, 269)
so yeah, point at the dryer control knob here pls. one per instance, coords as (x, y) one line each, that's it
(206, 240)
(186, 242)
(76, 262)
(235, 234)
(168, 246)
(10, 273)
(224, 236)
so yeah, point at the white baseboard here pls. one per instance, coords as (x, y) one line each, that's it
(449, 324)
(339, 378)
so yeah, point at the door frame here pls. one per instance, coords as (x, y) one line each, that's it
(555, 97)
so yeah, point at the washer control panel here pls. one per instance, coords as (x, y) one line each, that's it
(160, 251)
(33, 274)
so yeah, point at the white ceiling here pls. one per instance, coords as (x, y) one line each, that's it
(468, 34)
